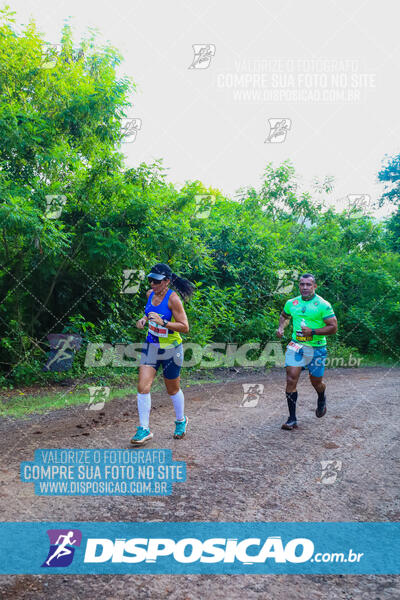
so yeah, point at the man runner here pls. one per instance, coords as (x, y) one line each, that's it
(313, 319)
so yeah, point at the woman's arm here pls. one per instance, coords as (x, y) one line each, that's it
(181, 321)
(142, 322)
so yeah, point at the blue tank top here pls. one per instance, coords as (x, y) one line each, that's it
(163, 337)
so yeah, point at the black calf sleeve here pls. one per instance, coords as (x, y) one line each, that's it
(291, 398)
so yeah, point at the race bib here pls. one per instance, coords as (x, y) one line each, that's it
(293, 346)
(158, 330)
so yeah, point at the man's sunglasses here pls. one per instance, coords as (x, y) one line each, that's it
(151, 280)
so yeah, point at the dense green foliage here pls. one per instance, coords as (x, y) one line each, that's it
(390, 176)
(60, 130)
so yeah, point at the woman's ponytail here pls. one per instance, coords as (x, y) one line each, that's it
(182, 286)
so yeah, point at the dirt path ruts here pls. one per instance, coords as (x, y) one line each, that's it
(241, 467)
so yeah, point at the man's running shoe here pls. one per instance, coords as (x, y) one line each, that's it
(321, 408)
(141, 436)
(290, 424)
(180, 428)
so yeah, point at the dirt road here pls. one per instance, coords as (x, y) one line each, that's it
(241, 467)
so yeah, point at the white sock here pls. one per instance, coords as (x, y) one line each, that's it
(144, 406)
(178, 400)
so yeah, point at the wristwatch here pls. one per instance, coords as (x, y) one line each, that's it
(165, 321)
(313, 332)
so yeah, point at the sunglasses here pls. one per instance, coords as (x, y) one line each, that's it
(151, 280)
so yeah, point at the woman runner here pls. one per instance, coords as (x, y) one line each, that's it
(166, 319)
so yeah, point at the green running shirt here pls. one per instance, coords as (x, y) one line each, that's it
(313, 311)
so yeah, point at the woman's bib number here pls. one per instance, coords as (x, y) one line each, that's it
(158, 330)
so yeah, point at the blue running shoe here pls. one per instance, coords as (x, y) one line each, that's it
(141, 436)
(290, 424)
(180, 428)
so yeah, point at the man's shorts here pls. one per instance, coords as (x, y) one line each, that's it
(171, 359)
(307, 357)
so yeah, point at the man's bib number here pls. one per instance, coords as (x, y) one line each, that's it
(158, 330)
(295, 347)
